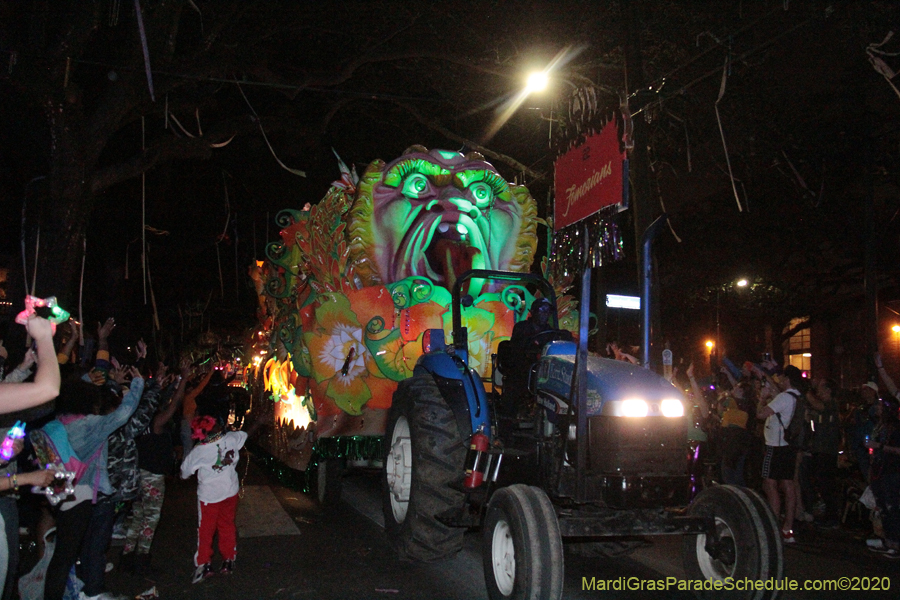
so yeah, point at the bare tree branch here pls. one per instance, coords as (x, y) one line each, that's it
(507, 160)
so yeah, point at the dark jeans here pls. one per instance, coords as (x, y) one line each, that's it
(71, 525)
(84, 531)
(734, 474)
(95, 545)
(887, 493)
(10, 511)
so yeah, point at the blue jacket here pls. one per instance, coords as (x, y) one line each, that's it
(88, 433)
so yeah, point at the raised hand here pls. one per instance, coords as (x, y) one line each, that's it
(118, 374)
(141, 349)
(103, 331)
(39, 327)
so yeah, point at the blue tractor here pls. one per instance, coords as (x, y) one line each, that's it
(595, 451)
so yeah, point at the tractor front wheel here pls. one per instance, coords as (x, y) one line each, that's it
(746, 543)
(522, 547)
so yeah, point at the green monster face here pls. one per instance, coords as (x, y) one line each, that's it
(439, 214)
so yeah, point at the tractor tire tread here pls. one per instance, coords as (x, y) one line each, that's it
(438, 458)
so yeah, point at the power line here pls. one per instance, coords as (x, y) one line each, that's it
(718, 70)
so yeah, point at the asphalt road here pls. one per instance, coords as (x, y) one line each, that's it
(291, 548)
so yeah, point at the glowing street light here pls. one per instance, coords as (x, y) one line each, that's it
(896, 328)
(742, 283)
(537, 82)
(710, 344)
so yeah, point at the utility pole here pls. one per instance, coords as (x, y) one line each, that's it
(635, 84)
(871, 255)
(639, 163)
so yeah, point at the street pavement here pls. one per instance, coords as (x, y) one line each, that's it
(289, 547)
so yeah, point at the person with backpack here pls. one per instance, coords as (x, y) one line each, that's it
(78, 410)
(780, 460)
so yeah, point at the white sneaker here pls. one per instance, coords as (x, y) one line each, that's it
(875, 543)
(101, 596)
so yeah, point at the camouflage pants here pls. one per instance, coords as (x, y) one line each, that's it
(145, 513)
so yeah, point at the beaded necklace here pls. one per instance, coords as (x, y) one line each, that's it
(214, 437)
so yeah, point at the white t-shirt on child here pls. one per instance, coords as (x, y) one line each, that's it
(216, 467)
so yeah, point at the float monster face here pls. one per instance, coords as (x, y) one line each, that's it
(438, 214)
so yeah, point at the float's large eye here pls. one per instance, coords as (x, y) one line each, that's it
(482, 193)
(415, 186)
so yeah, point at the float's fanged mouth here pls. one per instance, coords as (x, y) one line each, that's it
(449, 253)
(443, 250)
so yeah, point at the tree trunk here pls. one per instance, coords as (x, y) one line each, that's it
(60, 214)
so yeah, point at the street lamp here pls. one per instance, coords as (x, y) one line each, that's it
(537, 82)
(742, 283)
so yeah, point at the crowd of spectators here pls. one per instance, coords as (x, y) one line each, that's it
(130, 425)
(850, 449)
(123, 423)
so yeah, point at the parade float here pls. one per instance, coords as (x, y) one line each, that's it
(348, 291)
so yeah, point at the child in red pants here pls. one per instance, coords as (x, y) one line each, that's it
(215, 460)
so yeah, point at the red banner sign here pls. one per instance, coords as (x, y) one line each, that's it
(588, 178)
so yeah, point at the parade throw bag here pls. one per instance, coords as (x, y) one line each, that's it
(31, 585)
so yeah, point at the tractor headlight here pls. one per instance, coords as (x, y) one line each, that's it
(672, 407)
(634, 407)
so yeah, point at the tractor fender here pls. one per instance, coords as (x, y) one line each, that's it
(462, 389)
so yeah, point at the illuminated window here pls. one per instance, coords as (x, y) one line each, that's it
(797, 347)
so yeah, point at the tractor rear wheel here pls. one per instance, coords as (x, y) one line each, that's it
(522, 548)
(425, 454)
